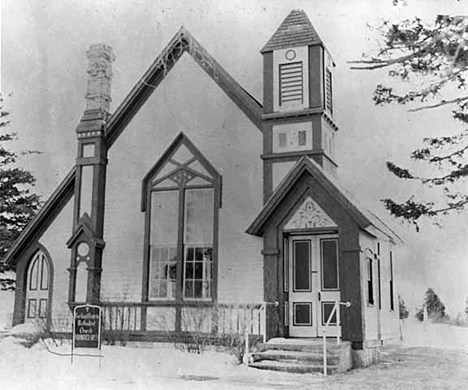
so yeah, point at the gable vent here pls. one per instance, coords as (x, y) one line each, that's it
(291, 83)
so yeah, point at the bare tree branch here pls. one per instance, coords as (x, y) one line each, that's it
(440, 104)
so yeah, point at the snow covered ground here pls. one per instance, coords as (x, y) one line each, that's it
(432, 357)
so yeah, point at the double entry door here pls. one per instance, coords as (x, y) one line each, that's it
(313, 286)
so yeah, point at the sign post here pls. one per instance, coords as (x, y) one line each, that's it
(86, 328)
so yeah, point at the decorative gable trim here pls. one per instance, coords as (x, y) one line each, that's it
(186, 168)
(305, 166)
(309, 215)
(84, 228)
(182, 42)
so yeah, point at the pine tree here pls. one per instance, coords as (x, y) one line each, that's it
(17, 203)
(403, 310)
(432, 61)
(435, 307)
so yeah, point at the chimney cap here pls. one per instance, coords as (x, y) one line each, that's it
(100, 50)
(100, 58)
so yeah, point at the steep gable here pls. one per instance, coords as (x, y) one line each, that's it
(182, 42)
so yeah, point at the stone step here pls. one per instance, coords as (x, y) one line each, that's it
(295, 356)
(332, 347)
(292, 367)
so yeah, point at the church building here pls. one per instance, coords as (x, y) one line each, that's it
(176, 224)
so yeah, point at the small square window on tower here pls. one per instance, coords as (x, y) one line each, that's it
(282, 140)
(302, 138)
(292, 137)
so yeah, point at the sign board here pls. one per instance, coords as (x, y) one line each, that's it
(87, 326)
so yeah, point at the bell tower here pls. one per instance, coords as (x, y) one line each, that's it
(298, 100)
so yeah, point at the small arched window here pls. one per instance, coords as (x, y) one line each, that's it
(37, 288)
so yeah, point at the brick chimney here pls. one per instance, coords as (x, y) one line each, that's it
(100, 57)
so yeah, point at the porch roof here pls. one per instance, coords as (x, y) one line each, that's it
(364, 218)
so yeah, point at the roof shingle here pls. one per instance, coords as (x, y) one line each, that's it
(296, 30)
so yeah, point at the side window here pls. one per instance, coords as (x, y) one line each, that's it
(292, 137)
(370, 282)
(392, 301)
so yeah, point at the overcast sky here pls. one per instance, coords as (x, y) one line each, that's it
(44, 63)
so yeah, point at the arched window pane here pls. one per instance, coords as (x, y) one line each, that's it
(44, 274)
(33, 274)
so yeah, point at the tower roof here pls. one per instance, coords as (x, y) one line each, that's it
(296, 30)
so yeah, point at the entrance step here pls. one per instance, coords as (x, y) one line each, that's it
(295, 356)
(302, 356)
(305, 345)
(291, 367)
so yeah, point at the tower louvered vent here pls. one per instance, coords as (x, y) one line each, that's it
(291, 83)
(328, 92)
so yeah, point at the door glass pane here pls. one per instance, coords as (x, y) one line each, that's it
(32, 308)
(301, 255)
(327, 308)
(330, 264)
(33, 274)
(199, 216)
(43, 308)
(164, 215)
(44, 274)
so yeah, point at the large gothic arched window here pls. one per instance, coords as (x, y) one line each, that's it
(181, 200)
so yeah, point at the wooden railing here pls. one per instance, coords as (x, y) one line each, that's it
(124, 317)
(223, 318)
(263, 306)
(336, 310)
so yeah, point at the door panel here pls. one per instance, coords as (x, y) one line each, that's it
(329, 292)
(313, 284)
(302, 294)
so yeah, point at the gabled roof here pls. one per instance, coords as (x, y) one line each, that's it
(364, 218)
(296, 30)
(182, 42)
